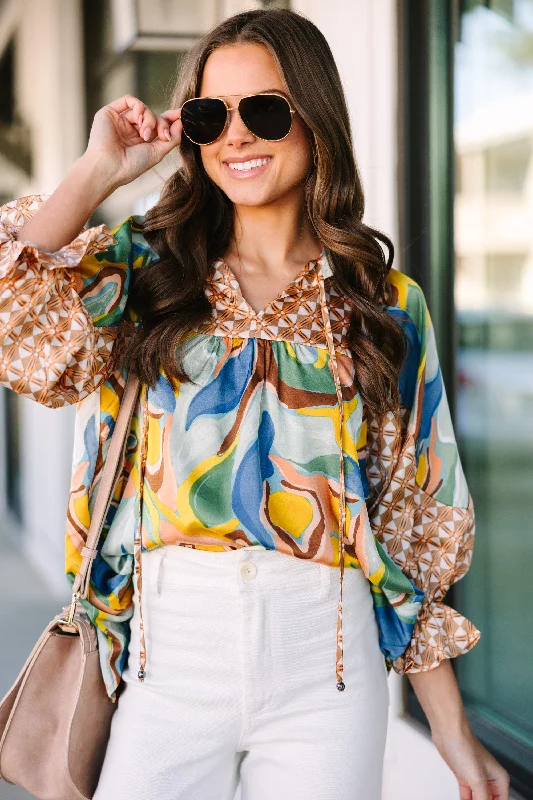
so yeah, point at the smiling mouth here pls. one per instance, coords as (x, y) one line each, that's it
(248, 166)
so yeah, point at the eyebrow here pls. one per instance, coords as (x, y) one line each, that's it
(263, 91)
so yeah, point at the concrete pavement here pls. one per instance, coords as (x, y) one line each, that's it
(26, 607)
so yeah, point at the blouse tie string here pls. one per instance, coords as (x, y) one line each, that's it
(339, 665)
(137, 547)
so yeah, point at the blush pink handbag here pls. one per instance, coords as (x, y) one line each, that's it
(56, 718)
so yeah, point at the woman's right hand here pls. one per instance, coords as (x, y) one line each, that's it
(127, 139)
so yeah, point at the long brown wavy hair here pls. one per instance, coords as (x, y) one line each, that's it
(192, 224)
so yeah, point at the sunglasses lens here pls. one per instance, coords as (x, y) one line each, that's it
(203, 119)
(267, 116)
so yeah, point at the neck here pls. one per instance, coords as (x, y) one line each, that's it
(268, 236)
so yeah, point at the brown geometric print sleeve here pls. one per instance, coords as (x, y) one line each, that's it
(421, 509)
(55, 346)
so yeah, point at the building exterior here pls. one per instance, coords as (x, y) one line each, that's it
(439, 93)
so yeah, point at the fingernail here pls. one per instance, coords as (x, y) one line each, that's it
(147, 134)
(167, 134)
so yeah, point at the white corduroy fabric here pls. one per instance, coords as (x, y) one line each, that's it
(240, 684)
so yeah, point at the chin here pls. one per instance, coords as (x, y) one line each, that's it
(248, 197)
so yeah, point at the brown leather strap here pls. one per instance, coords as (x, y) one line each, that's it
(110, 474)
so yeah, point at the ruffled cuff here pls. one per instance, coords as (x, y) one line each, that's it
(15, 214)
(440, 632)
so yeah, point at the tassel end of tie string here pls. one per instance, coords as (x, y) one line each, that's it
(141, 675)
(341, 686)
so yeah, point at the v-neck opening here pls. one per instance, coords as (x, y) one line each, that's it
(285, 292)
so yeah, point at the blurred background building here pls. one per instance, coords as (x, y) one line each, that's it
(441, 98)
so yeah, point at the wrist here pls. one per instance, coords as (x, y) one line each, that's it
(457, 727)
(460, 733)
(97, 178)
(439, 696)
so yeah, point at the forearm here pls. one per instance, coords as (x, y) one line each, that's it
(439, 696)
(62, 217)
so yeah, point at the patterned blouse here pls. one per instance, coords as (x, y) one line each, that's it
(270, 444)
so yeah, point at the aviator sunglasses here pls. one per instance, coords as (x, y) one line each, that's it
(267, 116)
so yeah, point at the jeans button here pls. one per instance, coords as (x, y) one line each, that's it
(248, 571)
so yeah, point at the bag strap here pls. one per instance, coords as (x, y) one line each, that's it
(111, 472)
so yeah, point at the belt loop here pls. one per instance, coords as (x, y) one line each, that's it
(325, 581)
(159, 576)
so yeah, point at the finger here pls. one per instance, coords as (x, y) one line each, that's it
(465, 792)
(164, 146)
(131, 117)
(128, 102)
(480, 791)
(175, 128)
(172, 114)
(148, 125)
(499, 789)
(163, 129)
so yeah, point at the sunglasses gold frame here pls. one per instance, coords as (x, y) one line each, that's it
(228, 109)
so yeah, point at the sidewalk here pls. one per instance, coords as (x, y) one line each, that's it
(26, 607)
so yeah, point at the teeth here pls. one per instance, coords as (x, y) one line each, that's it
(246, 165)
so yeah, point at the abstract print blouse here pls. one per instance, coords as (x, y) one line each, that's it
(269, 444)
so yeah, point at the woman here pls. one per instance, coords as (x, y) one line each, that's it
(293, 423)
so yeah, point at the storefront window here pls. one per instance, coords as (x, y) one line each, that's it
(12, 452)
(493, 134)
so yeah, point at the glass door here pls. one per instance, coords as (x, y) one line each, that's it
(493, 233)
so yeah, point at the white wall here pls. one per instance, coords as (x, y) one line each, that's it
(50, 99)
(363, 39)
(46, 456)
(50, 88)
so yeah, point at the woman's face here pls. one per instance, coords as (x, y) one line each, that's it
(232, 72)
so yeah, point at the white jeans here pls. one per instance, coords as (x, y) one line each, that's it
(240, 683)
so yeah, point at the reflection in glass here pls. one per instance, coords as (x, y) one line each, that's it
(494, 302)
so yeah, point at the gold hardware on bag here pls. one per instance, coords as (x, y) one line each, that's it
(72, 609)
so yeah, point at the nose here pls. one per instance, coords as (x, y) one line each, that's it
(237, 133)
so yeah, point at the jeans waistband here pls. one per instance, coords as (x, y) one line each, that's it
(247, 568)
